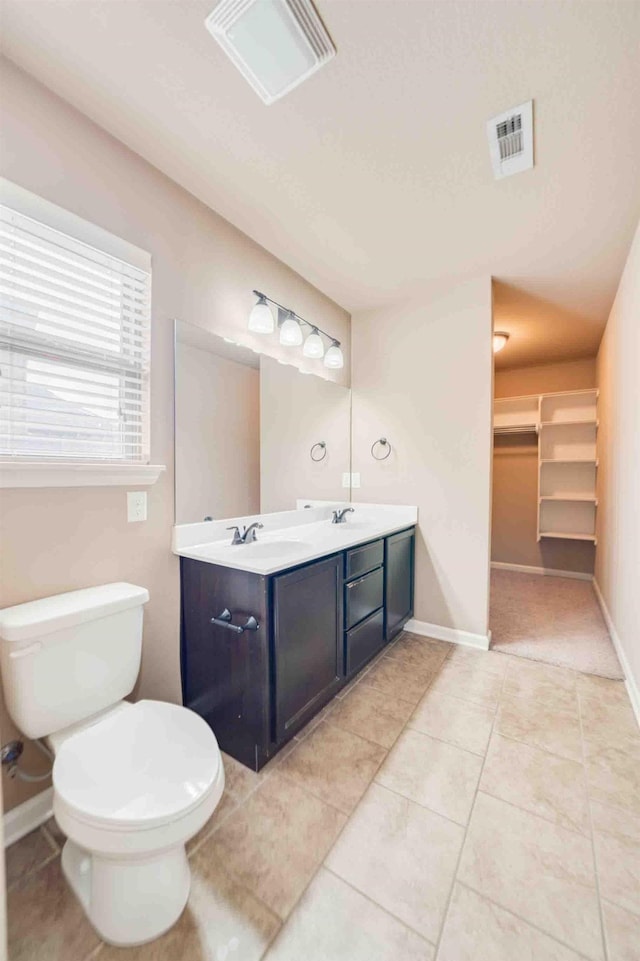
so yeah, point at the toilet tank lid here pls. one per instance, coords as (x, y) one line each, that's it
(36, 618)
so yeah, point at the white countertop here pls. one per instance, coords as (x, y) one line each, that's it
(290, 538)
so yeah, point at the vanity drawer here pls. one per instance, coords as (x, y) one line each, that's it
(362, 597)
(363, 641)
(362, 559)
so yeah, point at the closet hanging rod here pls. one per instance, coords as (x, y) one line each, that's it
(516, 429)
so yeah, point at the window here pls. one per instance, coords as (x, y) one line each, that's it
(74, 338)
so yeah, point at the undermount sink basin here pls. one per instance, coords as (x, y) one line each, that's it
(271, 548)
(351, 526)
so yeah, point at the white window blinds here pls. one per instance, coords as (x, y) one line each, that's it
(74, 346)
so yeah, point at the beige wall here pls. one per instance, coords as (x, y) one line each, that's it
(515, 475)
(203, 271)
(546, 378)
(422, 377)
(217, 436)
(618, 552)
(295, 413)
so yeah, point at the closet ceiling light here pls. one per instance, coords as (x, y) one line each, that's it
(261, 317)
(290, 332)
(313, 346)
(333, 359)
(500, 339)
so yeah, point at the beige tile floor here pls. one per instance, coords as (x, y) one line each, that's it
(452, 804)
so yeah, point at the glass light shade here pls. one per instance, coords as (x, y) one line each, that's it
(290, 333)
(313, 346)
(500, 339)
(261, 319)
(333, 358)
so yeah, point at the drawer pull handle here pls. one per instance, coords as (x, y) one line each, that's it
(224, 620)
(363, 578)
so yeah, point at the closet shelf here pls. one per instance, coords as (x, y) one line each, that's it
(568, 537)
(587, 498)
(569, 423)
(569, 460)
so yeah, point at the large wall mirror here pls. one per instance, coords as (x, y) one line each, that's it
(253, 435)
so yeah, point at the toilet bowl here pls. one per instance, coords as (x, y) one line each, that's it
(129, 791)
(132, 783)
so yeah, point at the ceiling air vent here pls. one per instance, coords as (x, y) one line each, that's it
(275, 44)
(511, 140)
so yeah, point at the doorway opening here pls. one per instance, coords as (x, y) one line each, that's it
(543, 605)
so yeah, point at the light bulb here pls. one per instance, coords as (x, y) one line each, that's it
(313, 346)
(500, 339)
(261, 318)
(333, 357)
(290, 332)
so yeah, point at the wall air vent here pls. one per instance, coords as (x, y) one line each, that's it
(275, 44)
(511, 141)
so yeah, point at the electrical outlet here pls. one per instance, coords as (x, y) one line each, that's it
(351, 480)
(136, 506)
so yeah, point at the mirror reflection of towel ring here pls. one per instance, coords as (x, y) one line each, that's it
(385, 444)
(323, 451)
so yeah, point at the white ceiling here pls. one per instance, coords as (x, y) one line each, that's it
(373, 179)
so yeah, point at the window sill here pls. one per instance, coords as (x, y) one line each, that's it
(56, 474)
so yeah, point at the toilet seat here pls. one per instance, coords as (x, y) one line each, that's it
(146, 774)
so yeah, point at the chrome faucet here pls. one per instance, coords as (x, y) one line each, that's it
(339, 515)
(248, 535)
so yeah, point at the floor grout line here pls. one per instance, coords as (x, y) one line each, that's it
(456, 871)
(376, 904)
(520, 917)
(442, 740)
(593, 844)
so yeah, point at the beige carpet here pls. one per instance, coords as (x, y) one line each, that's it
(552, 619)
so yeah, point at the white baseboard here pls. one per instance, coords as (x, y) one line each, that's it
(28, 816)
(632, 687)
(545, 571)
(440, 633)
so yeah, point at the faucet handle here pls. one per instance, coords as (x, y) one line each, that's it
(237, 537)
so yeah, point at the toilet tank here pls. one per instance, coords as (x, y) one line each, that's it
(67, 657)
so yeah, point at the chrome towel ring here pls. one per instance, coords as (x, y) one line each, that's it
(384, 443)
(322, 451)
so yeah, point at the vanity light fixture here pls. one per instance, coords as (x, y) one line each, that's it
(290, 332)
(313, 346)
(261, 318)
(333, 358)
(291, 335)
(500, 339)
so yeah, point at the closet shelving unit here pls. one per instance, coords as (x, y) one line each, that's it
(566, 426)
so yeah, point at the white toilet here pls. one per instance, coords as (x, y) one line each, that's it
(132, 782)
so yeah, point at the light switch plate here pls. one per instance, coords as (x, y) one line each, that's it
(136, 506)
(355, 479)
(346, 479)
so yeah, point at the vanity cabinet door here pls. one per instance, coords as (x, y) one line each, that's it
(225, 674)
(399, 574)
(307, 642)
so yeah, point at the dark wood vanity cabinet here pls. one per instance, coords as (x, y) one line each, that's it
(399, 562)
(318, 625)
(307, 642)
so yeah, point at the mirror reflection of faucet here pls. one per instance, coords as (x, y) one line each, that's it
(339, 515)
(248, 535)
